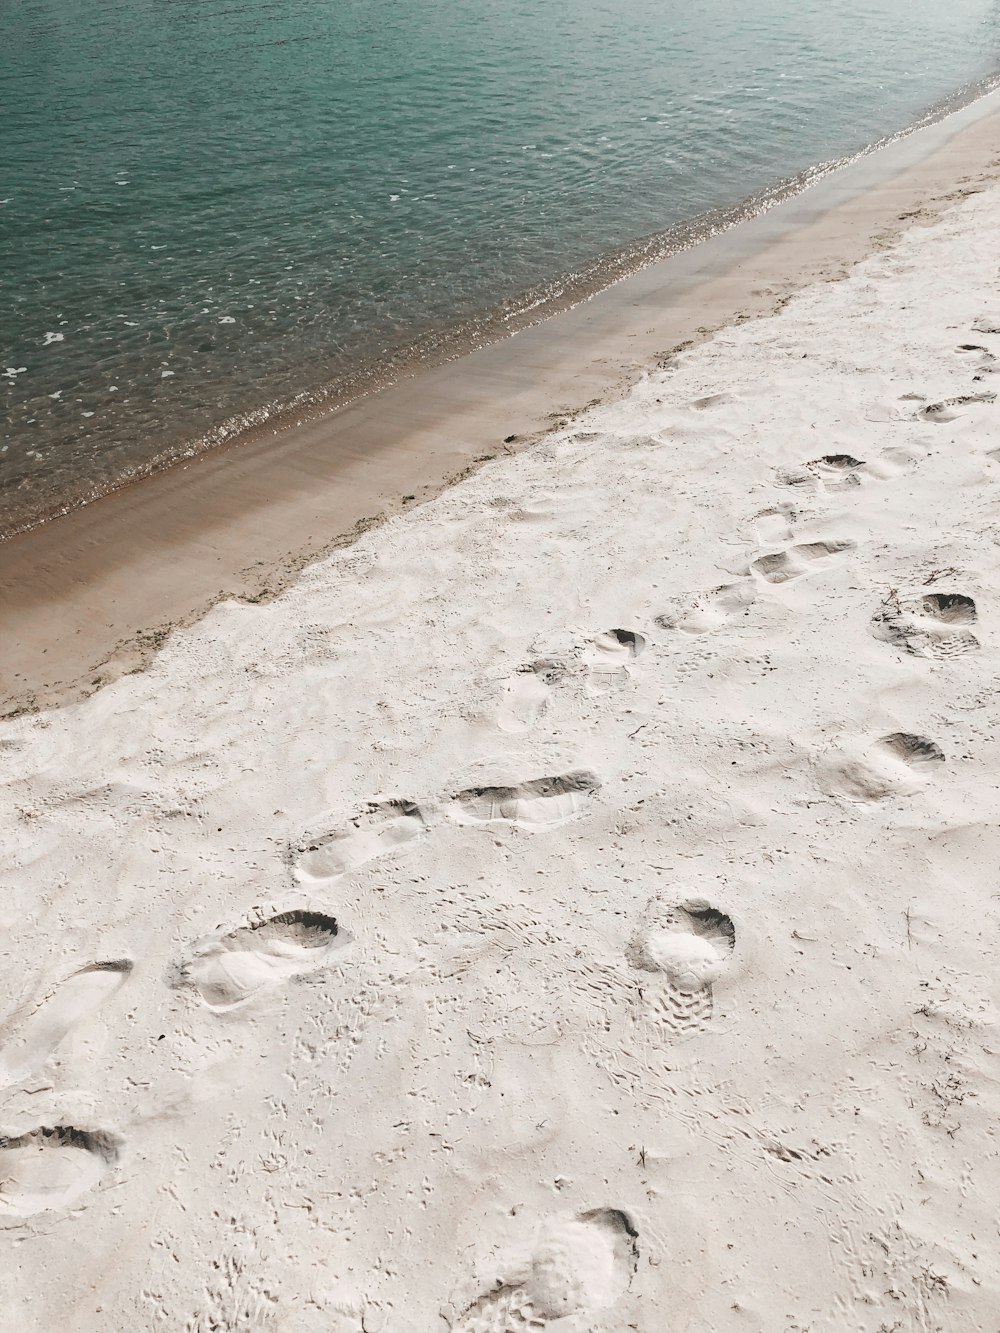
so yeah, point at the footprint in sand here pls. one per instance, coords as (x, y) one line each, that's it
(526, 694)
(832, 472)
(383, 827)
(539, 803)
(686, 947)
(982, 360)
(838, 472)
(950, 409)
(49, 1169)
(702, 612)
(899, 764)
(794, 561)
(988, 324)
(39, 1032)
(568, 1271)
(711, 400)
(609, 658)
(931, 625)
(228, 971)
(775, 524)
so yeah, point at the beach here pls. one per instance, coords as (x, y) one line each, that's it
(563, 898)
(238, 521)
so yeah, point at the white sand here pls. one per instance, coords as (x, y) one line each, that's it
(575, 905)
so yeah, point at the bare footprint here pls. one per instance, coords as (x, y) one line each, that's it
(702, 612)
(49, 1169)
(931, 625)
(526, 695)
(899, 764)
(36, 1035)
(794, 561)
(381, 828)
(539, 803)
(570, 1269)
(228, 971)
(609, 658)
(687, 947)
(949, 409)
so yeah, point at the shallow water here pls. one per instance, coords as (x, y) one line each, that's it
(211, 208)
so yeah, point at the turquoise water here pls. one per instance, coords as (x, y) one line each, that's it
(210, 208)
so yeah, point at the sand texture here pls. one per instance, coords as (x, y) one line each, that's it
(573, 906)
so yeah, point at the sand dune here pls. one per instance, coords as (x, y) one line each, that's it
(584, 923)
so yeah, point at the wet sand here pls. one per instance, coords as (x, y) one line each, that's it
(90, 595)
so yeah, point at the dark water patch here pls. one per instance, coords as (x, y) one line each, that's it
(219, 216)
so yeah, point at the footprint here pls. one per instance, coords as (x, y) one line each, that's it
(47, 1169)
(609, 658)
(838, 471)
(832, 472)
(836, 465)
(896, 765)
(544, 507)
(540, 803)
(526, 695)
(688, 947)
(42, 1030)
(775, 524)
(794, 561)
(949, 409)
(231, 970)
(988, 324)
(928, 626)
(570, 1269)
(983, 358)
(702, 612)
(710, 401)
(384, 826)
(893, 461)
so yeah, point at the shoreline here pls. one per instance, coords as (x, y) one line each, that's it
(241, 520)
(482, 328)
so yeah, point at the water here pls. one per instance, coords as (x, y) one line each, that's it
(216, 208)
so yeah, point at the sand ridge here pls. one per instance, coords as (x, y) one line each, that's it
(571, 906)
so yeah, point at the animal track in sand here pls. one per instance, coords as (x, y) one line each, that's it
(526, 694)
(229, 971)
(928, 626)
(899, 764)
(383, 827)
(539, 803)
(35, 1037)
(687, 946)
(47, 1169)
(609, 657)
(794, 561)
(570, 1270)
(702, 612)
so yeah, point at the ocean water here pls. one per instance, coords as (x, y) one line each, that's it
(212, 209)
